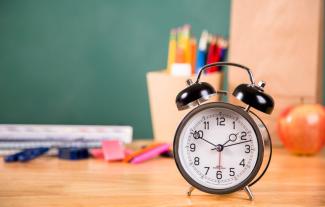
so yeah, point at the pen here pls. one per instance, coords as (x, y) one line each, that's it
(26, 155)
(13, 157)
(31, 154)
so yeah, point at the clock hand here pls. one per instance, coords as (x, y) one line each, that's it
(209, 142)
(199, 135)
(231, 137)
(226, 142)
(237, 143)
(219, 164)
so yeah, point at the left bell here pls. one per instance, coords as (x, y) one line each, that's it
(194, 94)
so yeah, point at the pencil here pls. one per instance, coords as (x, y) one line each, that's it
(171, 50)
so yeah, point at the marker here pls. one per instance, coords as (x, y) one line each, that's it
(129, 157)
(150, 154)
(73, 153)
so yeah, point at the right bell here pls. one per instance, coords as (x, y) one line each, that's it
(254, 96)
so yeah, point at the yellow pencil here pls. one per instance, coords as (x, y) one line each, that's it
(171, 50)
(188, 52)
(187, 43)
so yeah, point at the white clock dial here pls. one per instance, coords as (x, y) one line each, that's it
(218, 148)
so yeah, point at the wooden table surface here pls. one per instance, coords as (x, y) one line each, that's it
(47, 181)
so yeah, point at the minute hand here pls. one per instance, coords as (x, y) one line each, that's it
(237, 143)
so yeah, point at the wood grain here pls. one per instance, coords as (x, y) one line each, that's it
(290, 181)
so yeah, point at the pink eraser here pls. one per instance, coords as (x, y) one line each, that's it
(113, 150)
(150, 154)
(97, 153)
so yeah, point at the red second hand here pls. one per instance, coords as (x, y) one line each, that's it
(219, 160)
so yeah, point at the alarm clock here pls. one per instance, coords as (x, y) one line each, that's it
(220, 147)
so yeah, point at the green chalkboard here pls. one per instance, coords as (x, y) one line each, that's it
(84, 62)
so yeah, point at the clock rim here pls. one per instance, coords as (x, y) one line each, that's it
(250, 120)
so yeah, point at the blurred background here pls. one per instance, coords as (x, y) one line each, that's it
(99, 78)
(85, 62)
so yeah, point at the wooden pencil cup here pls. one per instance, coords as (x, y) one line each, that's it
(162, 89)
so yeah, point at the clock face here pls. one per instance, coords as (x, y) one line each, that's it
(217, 148)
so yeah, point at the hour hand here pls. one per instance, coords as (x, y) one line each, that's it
(232, 137)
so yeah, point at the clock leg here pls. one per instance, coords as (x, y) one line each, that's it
(249, 192)
(189, 192)
(247, 108)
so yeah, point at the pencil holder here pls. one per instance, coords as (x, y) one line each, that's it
(162, 89)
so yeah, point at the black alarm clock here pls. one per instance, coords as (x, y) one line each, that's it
(219, 147)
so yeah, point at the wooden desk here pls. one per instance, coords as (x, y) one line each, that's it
(291, 180)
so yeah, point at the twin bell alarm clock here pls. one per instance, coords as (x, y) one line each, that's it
(219, 147)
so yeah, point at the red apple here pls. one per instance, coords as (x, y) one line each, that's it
(302, 128)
